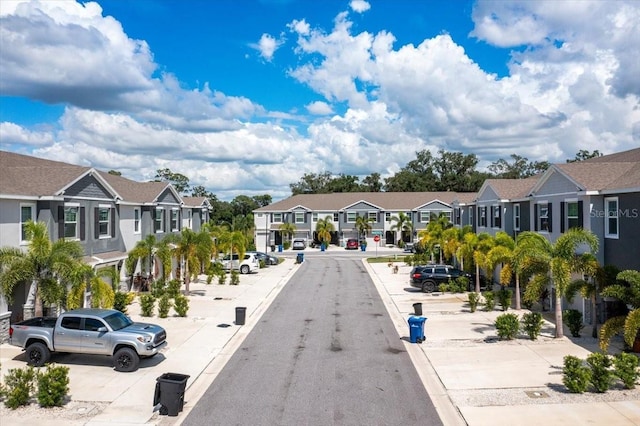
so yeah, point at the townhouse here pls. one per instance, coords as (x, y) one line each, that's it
(107, 214)
(342, 209)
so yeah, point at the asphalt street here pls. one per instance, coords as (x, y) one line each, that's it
(325, 352)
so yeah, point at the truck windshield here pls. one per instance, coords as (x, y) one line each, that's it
(118, 321)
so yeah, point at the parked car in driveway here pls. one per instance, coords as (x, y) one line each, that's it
(429, 277)
(266, 258)
(299, 244)
(248, 265)
(352, 244)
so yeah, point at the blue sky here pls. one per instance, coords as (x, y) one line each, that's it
(244, 97)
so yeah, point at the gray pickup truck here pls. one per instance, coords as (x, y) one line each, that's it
(89, 331)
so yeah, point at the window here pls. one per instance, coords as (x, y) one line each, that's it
(158, 220)
(314, 217)
(470, 215)
(456, 216)
(299, 217)
(104, 221)
(573, 215)
(516, 217)
(372, 216)
(136, 221)
(611, 219)
(544, 217)
(27, 213)
(92, 324)
(71, 323)
(482, 216)
(496, 217)
(174, 219)
(351, 217)
(447, 214)
(336, 218)
(387, 216)
(71, 222)
(425, 216)
(190, 218)
(277, 217)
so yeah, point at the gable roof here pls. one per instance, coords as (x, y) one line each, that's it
(196, 202)
(510, 189)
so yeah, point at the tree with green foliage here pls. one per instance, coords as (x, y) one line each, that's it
(46, 265)
(417, 176)
(476, 247)
(372, 183)
(288, 230)
(628, 291)
(190, 248)
(402, 224)
(363, 225)
(583, 155)
(324, 230)
(554, 263)
(518, 168)
(179, 181)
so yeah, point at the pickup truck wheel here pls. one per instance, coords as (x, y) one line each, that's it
(37, 354)
(126, 360)
(244, 269)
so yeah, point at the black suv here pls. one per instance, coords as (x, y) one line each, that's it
(429, 277)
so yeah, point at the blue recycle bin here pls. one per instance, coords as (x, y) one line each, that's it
(416, 329)
(300, 258)
(279, 248)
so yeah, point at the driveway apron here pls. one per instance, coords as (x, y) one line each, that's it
(324, 353)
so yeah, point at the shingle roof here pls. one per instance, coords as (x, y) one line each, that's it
(194, 201)
(512, 189)
(384, 200)
(32, 176)
(135, 192)
(600, 176)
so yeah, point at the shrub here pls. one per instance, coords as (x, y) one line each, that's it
(489, 301)
(286, 245)
(601, 374)
(573, 318)
(147, 303)
(626, 369)
(19, 384)
(262, 263)
(120, 301)
(459, 285)
(504, 298)
(158, 288)
(527, 304)
(222, 277)
(173, 289)
(53, 386)
(532, 324)
(235, 278)
(474, 298)
(443, 288)
(181, 305)
(507, 326)
(164, 304)
(575, 375)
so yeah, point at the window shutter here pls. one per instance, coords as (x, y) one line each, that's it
(535, 217)
(479, 216)
(153, 220)
(60, 222)
(96, 224)
(166, 219)
(563, 219)
(113, 223)
(549, 212)
(580, 216)
(83, 231)
(499, 216)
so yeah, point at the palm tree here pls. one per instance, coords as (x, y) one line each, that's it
(288, 230)
(476, 247)
(452, 241)
(363, 225)
(324, 230)
(432, 236)
(47, 265)
(402, 224)
(504, 251)
(143, 252)
(629, 292)
(189, 247)
(102, 294)
(554, 263)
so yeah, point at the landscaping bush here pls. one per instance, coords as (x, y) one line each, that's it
(575, 375)
(235, 278)
(147, 303)
(601, 374)
(443, 287)
(459, 285)
(573, 319)
(158, 288)
(222, 277)
(164, 304)
(181, 305)
(474, 298)
(625, 367)
(19, 387)
(507, 326)
(286, 245)
(504, 298)
(532, 324)
(173, 289)
(120, 301)
(53, 386)
(489, 301)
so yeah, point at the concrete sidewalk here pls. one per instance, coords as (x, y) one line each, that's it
(473, 377)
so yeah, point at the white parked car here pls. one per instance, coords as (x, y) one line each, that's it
(248, 265)
(299, 244)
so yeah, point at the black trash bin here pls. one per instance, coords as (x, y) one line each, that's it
(417, 309)
(241, 313)
(169, 393)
